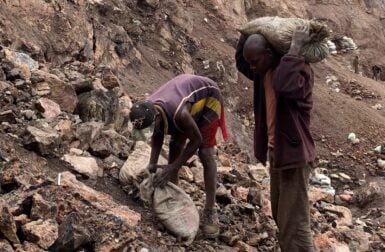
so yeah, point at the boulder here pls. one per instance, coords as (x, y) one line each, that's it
(98, 105)
(109, 142)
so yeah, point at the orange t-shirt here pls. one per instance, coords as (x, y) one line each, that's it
(271, 107)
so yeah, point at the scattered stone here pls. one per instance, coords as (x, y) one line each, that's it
(98, 105)
(320, 180)
(357, 239)
(344, 177)
(223, 170)
(206, 64)
(110, 81)
(28, 246)
(152, 3)
(61, 92)
(87, 132)
(319, 194)
(43, 233)
(198, 175)
(5, 246)
(224, 160)
(109, 142)
(186, 174)
(3, 85)
(367, 194)
(43, 141)
(83, 165)
(244, 247)
(325, 243)
(7, 116)
(42, 89)
(76, 152)
(7, 223)
(241, 193)
(381, 163)
(29, 114)
(42, 209)
(378, 106)
(71, 235)
(49, 108)
(345, 217)
(21, 220)
(258, 172)
(380, 149)
(223, 196)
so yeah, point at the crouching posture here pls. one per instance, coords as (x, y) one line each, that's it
(188, 107)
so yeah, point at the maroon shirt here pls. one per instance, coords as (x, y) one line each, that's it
(293, 82)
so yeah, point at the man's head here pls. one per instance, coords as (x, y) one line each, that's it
(258, 53)
(142, 115)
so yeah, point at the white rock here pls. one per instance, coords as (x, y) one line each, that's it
(83, 165)
(381, 163)
(75, 151)
(378, 149)
(352, 136)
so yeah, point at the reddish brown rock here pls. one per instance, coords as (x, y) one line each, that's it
(7, 223)
(43, 233)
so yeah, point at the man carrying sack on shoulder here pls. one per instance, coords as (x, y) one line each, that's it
(282, 104)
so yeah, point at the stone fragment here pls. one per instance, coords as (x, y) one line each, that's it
(7, 223)
(43, 233)
(49, 108)
(42, 209)
(43, 141)
(83, 165)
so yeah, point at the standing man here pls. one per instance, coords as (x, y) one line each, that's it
(376, 72)
(282, 104)
(187, 107)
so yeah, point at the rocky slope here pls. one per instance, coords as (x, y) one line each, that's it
(69, 70)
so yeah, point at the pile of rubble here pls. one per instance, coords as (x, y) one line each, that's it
(80, 120)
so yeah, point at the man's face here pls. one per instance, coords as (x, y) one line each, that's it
(260, 60)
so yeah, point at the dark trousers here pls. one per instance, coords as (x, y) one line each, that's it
(290, 207)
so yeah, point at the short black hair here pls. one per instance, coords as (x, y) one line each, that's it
(142, 114)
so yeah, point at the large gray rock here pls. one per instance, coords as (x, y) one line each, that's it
(98, 105)
(87, 132)
(110, 142)
(71, 235)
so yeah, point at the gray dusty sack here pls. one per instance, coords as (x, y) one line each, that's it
(279, 31)
(173, 207)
